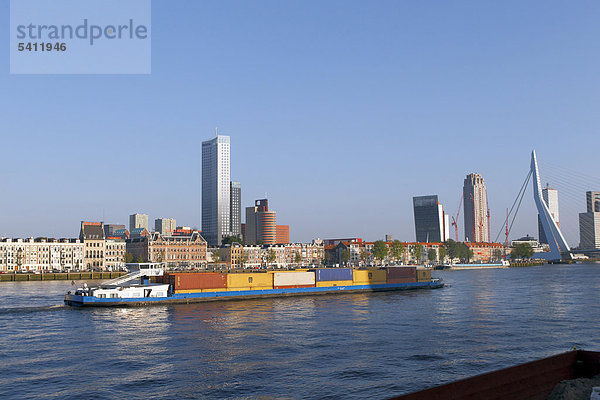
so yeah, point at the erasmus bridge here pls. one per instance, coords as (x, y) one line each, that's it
(558, 247)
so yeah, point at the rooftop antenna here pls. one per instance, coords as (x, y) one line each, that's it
(216, 131)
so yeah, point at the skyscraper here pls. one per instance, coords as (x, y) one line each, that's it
(589, 223)
(216, 190)
(138, 221)
(430, 220)
(235, 199)
(475, 209)
(550, 197)
(261, 223)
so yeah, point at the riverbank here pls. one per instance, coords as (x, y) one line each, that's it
(527, 263)
(59, 276)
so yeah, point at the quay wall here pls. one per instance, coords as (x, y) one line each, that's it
(59, 276)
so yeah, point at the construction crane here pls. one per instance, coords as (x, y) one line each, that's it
(455, 220)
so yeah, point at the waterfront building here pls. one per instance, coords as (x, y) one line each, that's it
(550, 197)
(484, 252)
(431, 223)
(216, 190)
(589, 223)
(92, 236)
(138, 221)
(174, 251)
(261, 224)
(282, 234)
(114, 253)
(111, 229)
(232, 254)
(235, 201)
(475, 209)
(40, 254)
(165, 226)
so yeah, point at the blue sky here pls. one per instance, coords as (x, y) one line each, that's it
(340, 110)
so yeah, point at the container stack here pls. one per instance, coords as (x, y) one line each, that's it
(401, 274)
(293, 279)
(328, 277)
(369, 277)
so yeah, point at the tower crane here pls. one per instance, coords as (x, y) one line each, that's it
(455, 220)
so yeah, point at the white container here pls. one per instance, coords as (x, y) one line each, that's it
(293, 278)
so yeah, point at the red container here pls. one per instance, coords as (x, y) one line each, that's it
(393, 273)
(292, 286)
(402, 280)
(200, 280)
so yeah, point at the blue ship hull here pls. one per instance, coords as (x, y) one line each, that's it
(90, 301)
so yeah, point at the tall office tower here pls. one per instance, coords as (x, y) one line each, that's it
(589, 223)
(216, 190)
(475, 209)
(138, 221)
(430, 219)
(165, 226)
(235, 200)
(593, 201)
(260, 223)
(550, 197)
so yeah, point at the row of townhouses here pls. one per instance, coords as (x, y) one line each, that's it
(358, 253)
(273, 256)
(94, 250)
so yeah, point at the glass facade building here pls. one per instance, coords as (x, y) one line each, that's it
(429, 219)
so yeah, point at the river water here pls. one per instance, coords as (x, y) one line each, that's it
(374, 345)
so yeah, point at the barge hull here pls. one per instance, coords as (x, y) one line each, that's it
(186, 298)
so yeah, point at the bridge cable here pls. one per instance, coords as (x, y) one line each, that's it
(519, 195)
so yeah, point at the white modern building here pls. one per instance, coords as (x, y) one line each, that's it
(40, 254)
(475, 209)
(138, 221)
(216, 190)
(589, 223)
(550, 197)
(165, 226)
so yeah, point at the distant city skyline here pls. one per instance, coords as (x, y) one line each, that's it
(341, 111)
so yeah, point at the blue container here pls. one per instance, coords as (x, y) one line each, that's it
(333, 274)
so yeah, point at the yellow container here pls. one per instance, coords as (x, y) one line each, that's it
(249, 281)
(214, 290)
(423, 275)
(334, 283)
(188, 291)
(369, 277)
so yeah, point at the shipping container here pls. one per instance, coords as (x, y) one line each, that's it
(334, 283)
(402, 280)
(333, 274)
(249, 281)
(401, 272)
(423, 275)
(293, 286)
(293, 278)
(369, 277)
(199, 280)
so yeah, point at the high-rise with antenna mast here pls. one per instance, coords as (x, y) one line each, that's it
(216, 190)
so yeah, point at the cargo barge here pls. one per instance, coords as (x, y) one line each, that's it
(136, 288)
